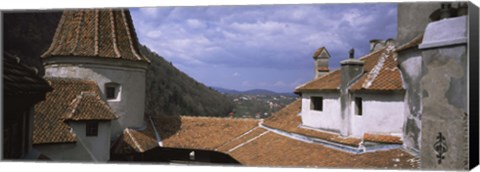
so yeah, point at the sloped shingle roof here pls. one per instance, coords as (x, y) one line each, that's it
(104, 33)
(89, 106)
(381, 138)
(380, 74)
(202, 132)
(207, 133)
(135, 141)
(49, 115)
(275, 150)
(252, 145)
(319, 51)
(20, 79)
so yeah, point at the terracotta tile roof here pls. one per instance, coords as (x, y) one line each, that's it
(253, 145)
(327, 82)
(381, 74)
(201, 132)
(319, 51)
(20, 79)
(287, 119)
(275, 150)
(207, 133)
(382, 138)
(89, 106)
(48, 122)
(134, 141)
(412, 43)
(232, 144)
(105, 33)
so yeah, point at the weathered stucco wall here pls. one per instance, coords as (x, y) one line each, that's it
(410, 65)
(412, 20)
(98, 146)
(130, 107)
(382, 113)
(329, 118)
(90, 149)
(445, 97)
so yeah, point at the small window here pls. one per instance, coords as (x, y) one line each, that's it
(112, 91)
(92, 128)
(358, 106)
(316, 103)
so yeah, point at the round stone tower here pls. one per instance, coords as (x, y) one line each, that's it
(101, 45)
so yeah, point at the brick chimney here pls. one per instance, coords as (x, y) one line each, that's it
(321, 57)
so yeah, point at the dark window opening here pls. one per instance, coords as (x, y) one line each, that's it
(110, 92)
(358, 106)
(91, 128)
(317, 103)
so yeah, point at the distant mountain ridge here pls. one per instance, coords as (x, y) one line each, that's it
(252, 92)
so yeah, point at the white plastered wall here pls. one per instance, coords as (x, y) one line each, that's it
(89, 149)
(329, 119)
(382, 114)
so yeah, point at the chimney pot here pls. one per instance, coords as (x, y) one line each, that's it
(321, 57)
(351, 53)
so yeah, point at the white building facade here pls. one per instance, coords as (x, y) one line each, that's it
(363, 96)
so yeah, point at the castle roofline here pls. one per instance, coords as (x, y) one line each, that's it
(100, 33)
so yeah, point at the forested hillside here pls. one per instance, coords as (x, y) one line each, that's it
(169, 91)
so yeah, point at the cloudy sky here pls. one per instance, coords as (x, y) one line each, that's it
(266, 47)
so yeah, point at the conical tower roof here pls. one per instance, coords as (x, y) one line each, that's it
(102, 33)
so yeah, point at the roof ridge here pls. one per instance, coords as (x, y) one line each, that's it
(238, 137)
(316, 79)
(73, 107)
(375, 71)
(70, 115)
(248, 141)
(114, 34)
(77, 31)
(129, 36)
(371, 53)
(218, 118)
(127, 130)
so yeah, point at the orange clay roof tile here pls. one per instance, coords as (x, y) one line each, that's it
(275, 150)
(101, 33)
(380, 74)
(49, 116)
